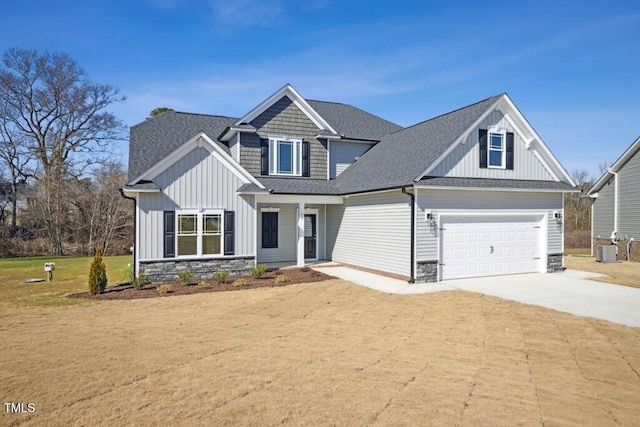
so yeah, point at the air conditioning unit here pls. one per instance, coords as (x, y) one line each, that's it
(606, 253)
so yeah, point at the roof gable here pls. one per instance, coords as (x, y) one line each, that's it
(616, 166)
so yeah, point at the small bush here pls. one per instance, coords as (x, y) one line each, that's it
(140, 281)
(222, 276)
(281, 278)
(238, 283)
(97, 274)
(164, 289)
(258, 270)
(204, 284)
(185, 277)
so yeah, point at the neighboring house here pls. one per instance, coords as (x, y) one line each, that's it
(474, 192)
(616, 205)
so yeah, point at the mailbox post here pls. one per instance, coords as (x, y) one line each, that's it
(49, 267)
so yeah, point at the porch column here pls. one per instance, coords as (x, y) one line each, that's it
(300, 229)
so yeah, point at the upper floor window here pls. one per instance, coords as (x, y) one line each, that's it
(496, 150)
(285, 156)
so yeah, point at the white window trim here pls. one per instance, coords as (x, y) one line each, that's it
(274, 153)
(200, 213)
(503, 135)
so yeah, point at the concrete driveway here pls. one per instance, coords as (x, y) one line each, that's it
(570, 291)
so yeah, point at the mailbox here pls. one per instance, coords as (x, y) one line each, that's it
(49, 266)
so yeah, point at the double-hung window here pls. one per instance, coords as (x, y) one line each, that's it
(199, 233)
(285, 156)
(496, 150)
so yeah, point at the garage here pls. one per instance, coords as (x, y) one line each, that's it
(475, 246)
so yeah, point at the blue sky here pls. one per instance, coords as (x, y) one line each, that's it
(572, 67)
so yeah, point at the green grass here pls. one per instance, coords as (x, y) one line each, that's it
(70, 275)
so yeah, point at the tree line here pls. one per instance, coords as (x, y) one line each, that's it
(59, 188)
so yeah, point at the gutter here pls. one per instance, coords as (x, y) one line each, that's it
(135, 230)
(413, 231)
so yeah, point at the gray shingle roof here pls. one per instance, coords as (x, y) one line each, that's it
(300, 186)
(353, 122)
(155, 138)
(515, 184)
(143, 185)
(402, 156)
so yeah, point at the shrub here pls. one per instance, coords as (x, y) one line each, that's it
(97, 274)
(239, 282)
(163, 289)
(258, 270)
(204, 284)
(140, 281)
(185, 277)
(281, 278)
(222, 276)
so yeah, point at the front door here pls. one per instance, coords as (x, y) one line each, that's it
(310, 236)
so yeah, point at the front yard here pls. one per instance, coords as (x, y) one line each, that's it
(325, 353)
(622, 273)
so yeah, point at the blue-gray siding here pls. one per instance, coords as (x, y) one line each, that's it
(603, 211)
(438, 201)
(371, 231)
(464, 160)
(629, 199)
(343, 154)
(197, 180)
(283, 118)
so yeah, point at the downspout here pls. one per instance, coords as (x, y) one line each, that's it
(135, 230)
(615, 201)
(413, 230)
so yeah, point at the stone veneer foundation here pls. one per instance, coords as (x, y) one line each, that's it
(427, 271)
(167, 270)
(554, 263)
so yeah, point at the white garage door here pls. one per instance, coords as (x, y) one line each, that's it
(489, 246)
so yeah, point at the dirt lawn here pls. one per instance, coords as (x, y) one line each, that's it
(325, 353)
(623, 273)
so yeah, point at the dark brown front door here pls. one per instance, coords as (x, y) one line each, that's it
(310, 236)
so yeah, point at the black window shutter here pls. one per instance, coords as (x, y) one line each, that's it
(306, 162)
(264, 157)
(269, 229)
(483, 148)
(509, 153)
(169, 234)
(229, 232)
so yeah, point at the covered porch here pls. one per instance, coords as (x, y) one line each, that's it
(293, 229)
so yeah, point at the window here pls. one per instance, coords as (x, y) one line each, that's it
(269, 229)
(496, 150)
(285, 156)
(199, 233)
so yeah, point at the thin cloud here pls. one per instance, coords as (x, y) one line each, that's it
(245, 13)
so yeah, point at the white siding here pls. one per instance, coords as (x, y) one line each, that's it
(372, 231)
(343, 154)
(197, 180)
(464, 161)
(440, 201)
(603, 211)
(234, 148)
(287, 244)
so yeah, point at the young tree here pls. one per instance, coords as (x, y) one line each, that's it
(48, 102)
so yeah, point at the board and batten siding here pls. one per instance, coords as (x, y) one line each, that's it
(283, 118)
(287, 237)
(371, 231)
(604, 211)
(197, 180)
(629, 198)
(478, 201)
(343, 154)
(464, 160)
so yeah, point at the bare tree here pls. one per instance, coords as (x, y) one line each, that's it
(61, 116)
(577, 211)
(16, 158)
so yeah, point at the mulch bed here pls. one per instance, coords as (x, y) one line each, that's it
(268, 280)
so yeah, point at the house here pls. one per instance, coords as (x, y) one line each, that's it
(616, 205)
(474, 192)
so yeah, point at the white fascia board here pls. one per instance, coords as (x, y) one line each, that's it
(615, 167)
(288, 91)
(535, 136)
(296, 198)
(528, 190)
(458, 141)
(134, 192)
(200, 140)
(233, 131)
